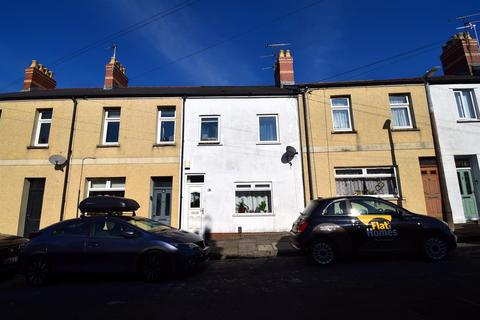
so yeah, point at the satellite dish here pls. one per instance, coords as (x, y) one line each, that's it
(289, 154)
(57, 159)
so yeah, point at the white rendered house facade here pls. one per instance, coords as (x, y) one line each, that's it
(457, 121)
(233, 176)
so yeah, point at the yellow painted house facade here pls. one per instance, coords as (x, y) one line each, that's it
(133, 166)
(373, 138)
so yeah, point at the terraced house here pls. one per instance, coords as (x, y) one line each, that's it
(371, 138)
(67, 144)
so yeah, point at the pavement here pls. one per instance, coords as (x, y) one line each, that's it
(467, 232)
(277, 244)
(251, 246)
(385, 287)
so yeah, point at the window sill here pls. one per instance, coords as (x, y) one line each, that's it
(268, 143)
(209, 143)
(108, 145)
(253, 215)
(404, 129)
(344, 132)
(37, 147)
(468, 121)
(159, 145)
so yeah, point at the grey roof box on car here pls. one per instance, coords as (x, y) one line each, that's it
(104, 204)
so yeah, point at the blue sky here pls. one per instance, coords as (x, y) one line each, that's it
(328, 39)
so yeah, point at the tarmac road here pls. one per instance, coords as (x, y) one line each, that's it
(266, 288)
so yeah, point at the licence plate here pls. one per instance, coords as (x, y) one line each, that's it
(10, 260)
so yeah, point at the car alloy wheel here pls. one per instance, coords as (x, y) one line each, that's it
(435, 249)
(323, 252)
(38, 272)
(154, 266)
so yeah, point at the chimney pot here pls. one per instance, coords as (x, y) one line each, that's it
(38, 77)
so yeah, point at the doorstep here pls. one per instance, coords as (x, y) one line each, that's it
(250, 245)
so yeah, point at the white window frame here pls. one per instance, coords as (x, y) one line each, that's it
(38, 126)
(474, 101)
(218, 130)
(401, 106)
(253, 186)
(106, 121)
(350, 127)
(108, 186)
(364, 174)
(268, 115)
(166, 119)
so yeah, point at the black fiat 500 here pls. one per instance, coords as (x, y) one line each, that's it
(109, 241)
(336, 227)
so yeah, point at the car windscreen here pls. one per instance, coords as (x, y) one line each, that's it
(147, 224)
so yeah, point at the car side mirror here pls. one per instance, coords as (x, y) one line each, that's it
(129, 234)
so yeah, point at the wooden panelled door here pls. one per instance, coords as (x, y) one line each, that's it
(431, 190)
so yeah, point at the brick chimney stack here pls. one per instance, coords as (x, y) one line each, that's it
(284, 69)
(115, 75)
(38, 77)
(461, 55)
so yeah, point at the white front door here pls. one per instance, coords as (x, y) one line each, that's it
(195, 209)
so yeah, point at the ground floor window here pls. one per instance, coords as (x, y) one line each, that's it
(253, 197)
(366, 181)
(106, 187)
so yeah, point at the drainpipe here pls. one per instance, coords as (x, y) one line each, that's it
(69, 157)
(296, 92)
(447, 210)
(388, 126)
(307, 141)
(181, 166)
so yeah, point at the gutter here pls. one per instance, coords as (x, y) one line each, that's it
(69, 157)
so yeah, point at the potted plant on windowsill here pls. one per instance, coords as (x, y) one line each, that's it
(262, 207)
(242, 207)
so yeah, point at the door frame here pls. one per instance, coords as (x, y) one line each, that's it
(462, 184)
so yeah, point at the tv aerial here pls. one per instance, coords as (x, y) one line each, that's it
(272, 55)
(289, 154)
(468, 24)
(58, 161)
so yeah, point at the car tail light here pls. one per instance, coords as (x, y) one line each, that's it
(33, 234)
(302, 225)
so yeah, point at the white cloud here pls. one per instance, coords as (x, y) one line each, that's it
(181, 34)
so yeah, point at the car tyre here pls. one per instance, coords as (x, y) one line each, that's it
(154, 266)
(435, 248)
(323, 252)
(38, 271)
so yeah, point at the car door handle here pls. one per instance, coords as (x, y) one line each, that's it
(92, 244)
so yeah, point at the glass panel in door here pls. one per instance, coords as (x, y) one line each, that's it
(467, 192)
(161, 205)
